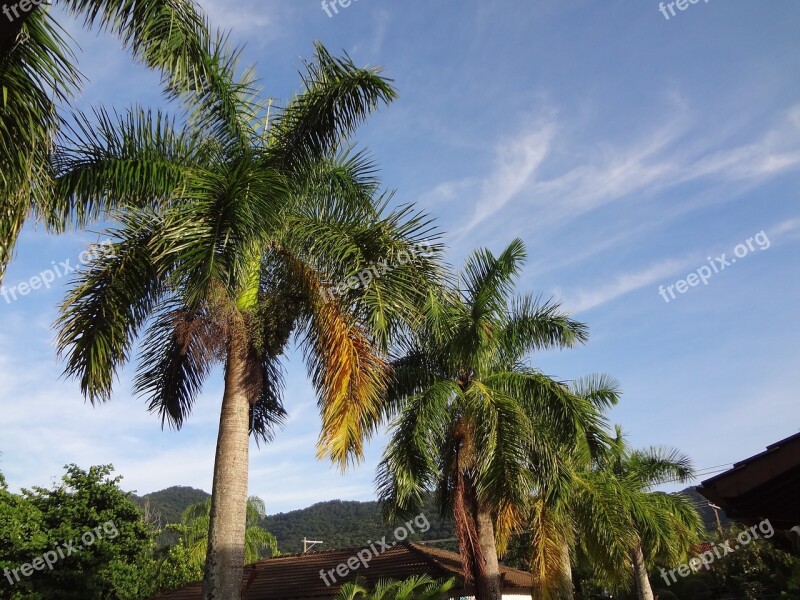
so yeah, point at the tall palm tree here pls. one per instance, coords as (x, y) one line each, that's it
(38, 74)
(470, 414)
(241, 230)
(579, 509)
(193, 529)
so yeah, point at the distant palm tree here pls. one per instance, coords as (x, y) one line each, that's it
(420, 587)
(580, 509)
(604, 509)
(472, 420)
(38, 73)
(245, 223)
(193, 529)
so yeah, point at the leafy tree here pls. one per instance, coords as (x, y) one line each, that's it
(90, 530)
(758, 570)
(246, 227)
(470, 414)
(38, 73)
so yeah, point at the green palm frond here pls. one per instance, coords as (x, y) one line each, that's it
(337, 97)
(110, 302)
(537, 325)
(659, 464)
(410, 465)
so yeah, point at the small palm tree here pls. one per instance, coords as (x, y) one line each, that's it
(243, 222)
(38, 73)
(193, 532)
(664, 526)
(420, 587)
(472, 420)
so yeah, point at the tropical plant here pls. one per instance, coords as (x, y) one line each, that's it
(244, 220)
(193, 532)
(472, 420)
(577, 509)
(419, 587)
(665, 527)
(38, 74)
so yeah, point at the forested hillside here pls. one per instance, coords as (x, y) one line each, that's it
(340, 523)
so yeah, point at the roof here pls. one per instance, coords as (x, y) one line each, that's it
(298, 575)
(764, 486)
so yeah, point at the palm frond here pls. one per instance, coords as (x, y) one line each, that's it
(105, 309)
(337, 98)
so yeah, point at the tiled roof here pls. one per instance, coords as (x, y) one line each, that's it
(297, 576)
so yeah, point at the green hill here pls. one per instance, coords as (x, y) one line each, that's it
(340, 523)
(170, 503)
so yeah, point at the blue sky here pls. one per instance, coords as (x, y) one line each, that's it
(625, 149)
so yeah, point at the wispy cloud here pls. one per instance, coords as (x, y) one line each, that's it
(583, 300)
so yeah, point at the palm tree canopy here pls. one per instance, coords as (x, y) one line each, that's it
(38, 74)
(465, 403)
(238, 233)
(194, 524)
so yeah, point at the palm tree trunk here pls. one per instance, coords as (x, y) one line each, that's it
(488, 577)
(640, 574)
(567, 588)
(225, 556)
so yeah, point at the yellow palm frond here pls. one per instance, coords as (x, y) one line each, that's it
(347, 369)
(549, 534)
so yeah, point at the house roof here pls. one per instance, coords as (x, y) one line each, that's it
(764, 486)
(298, 575)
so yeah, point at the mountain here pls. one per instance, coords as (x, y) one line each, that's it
(346, 524)
(338, 523)
(170, 503)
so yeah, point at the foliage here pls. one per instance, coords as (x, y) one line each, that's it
(90, 510)
(193, 531)
(38, 74)
(420, 587)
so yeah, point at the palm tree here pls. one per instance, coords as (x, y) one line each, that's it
(419, 587)
(471, 415)
(603, 511)
(38, 73)
(240, 232)
(193, 531)
(666, 526)
(579, 509)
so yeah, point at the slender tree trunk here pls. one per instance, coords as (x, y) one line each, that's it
(488, 584)
(225, 557)
(643, 588)
(567, 589)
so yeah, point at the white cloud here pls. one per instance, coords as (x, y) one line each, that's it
(583, 300)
